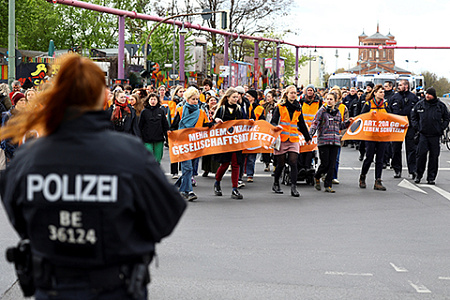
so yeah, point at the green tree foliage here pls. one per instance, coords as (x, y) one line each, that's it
(441, 84)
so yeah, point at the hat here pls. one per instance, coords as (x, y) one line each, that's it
(371, 84)
(16, 97)
(211, 93)
(240, 89)
(431, 91)
(310, 86)
(253, 93)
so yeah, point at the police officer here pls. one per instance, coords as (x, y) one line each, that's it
(430, 117)
(92, 202)
(401, 104)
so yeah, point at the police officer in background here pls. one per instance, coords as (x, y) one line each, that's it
(92, 202)
(430, 117)
(402, 104)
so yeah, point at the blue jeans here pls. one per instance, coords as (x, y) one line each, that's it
(195, 166)
(336, 167)
(186, 176)
(250, 169)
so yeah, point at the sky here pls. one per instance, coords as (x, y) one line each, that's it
(412, 22)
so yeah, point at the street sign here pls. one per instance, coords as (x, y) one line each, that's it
(132, 49)
(206, 17)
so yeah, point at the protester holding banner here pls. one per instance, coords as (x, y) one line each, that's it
(327, 123)
(256, 112)
(269, 106)
(208, 163)
(227, 110)
(375, 103)
(188, 116)
(288, 114)
(430, 118)
(123, 116)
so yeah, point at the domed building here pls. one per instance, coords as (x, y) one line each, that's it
(381, 60)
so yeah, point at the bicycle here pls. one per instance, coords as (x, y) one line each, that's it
(446, 138)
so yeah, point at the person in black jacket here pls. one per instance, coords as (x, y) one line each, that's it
(402, 104)
(357, 111)
(154, 126)
(123, 115)
(375, 103)
(228, 109)
(91, 202)
(430, 117)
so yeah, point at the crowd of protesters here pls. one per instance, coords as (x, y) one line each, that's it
(151, 113)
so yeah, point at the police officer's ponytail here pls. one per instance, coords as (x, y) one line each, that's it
(79, 84)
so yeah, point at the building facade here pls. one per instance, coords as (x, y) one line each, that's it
(380, 60)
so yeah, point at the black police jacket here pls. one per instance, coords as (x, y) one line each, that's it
(153, 124)
(430, 118)
(89, 197)
(402, 103)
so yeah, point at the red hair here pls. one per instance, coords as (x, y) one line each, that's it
(79, 84)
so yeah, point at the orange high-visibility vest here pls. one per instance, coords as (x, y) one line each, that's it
(290, 129)
(342, 110)
(309, 112)
(202, 118)
(374, 107)
(172, 110)
(259, 110)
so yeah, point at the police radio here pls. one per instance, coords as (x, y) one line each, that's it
(22, 259)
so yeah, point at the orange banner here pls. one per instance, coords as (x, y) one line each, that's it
(229, 136)
(378, 127)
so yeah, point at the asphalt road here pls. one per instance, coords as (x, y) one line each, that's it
(355, 244)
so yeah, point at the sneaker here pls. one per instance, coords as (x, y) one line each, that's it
(417, 180)
(329, 190)
(241, 184)
(217, 189)
(205, 174)
(317, 184)
(335, 181)
(194, 182)
(235, 194)
(431, 182)
(191, 197)
(398, 175)
(361, 157)
(250, 179)
(175, 176)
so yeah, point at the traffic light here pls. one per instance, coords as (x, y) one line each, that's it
(151, 66)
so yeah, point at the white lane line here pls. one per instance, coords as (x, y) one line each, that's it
(408, 185)
(444, 278)
(399, 269)
(347, 274)
(420, 288)
(440, 191)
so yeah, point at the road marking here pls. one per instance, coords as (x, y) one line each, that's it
(347, 274)
(444, 278)
(398, 269)
(443, 193)
(420, 288)
(408, 185)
